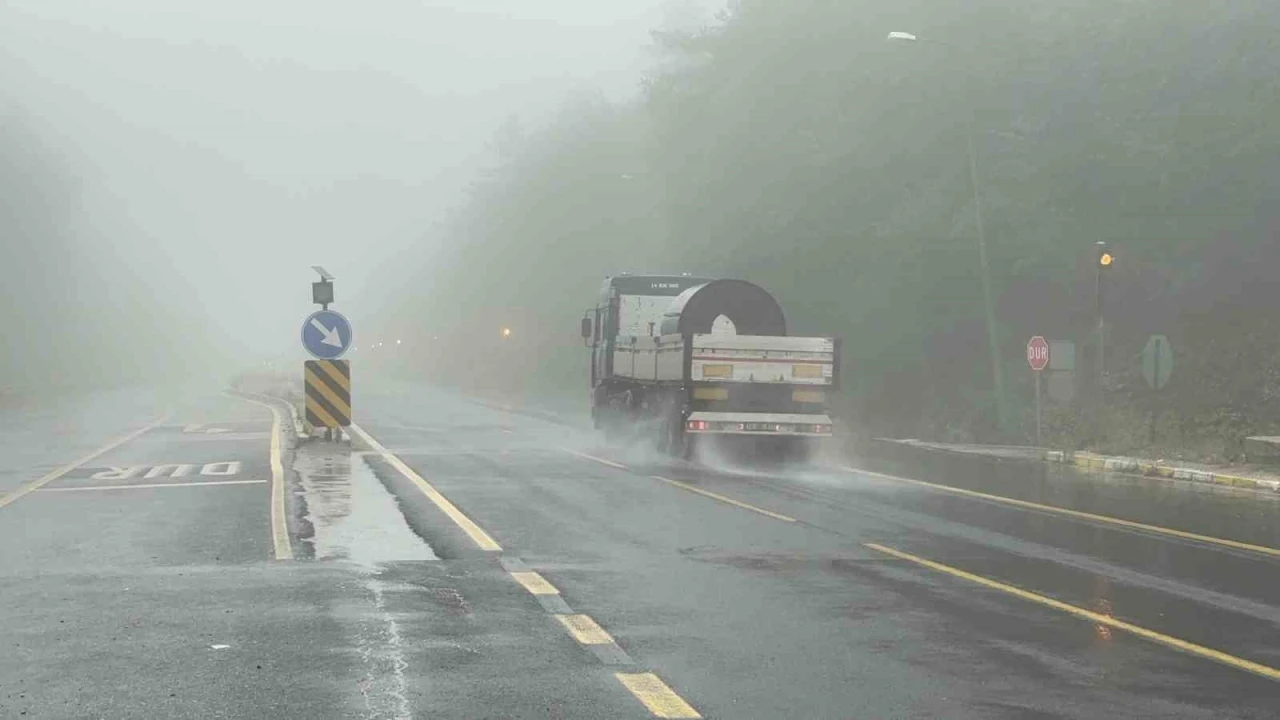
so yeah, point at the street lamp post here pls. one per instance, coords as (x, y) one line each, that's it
(993, 341)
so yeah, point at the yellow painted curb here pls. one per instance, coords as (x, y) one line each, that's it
(1235, 480)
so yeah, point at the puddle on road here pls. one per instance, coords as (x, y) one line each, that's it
(353, 516)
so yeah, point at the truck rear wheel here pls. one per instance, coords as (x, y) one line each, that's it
(672, 439)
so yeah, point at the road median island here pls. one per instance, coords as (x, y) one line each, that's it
(1250, 478)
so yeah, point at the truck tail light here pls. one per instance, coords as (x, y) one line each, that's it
(697, 425)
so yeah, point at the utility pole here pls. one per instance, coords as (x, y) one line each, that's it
(993, 339)
(988, 305)
(1102, 266)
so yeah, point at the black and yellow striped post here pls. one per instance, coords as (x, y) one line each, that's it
(328, 384)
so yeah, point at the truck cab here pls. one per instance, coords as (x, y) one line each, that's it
(630, 306)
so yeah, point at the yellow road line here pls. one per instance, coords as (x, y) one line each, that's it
(144, 486)
(473, 531)
(279, 516)
(585, 630)
(661, 700)
(38, 483)
(535, 583)
(1082, 515)
(602, 461)
(723, 499)
(1166, 640)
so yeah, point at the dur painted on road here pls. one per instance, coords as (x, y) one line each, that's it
(34, 485)
(148, 486)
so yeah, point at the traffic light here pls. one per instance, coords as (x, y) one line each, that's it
(1106, 258)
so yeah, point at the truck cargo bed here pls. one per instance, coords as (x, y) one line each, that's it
(727, 359)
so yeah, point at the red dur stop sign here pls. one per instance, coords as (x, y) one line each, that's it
(1038, 353)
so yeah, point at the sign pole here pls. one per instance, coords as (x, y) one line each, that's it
(326, 335)
(1156, 368)
(1037, 409)
(1038, 359)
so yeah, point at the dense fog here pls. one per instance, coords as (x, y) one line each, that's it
(170, 171)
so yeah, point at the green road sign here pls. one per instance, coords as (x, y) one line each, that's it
(1157, 362)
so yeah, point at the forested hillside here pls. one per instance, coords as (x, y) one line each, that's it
(791, 144)
(74, 312)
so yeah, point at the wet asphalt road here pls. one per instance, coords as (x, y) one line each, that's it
(747, 593)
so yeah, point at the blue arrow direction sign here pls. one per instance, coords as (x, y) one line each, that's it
(326, 334)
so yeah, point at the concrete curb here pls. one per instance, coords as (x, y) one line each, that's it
(1147, 468)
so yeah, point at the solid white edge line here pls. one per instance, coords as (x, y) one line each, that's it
(593, 458)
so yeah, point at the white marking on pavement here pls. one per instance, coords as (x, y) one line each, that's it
(173, 470)
(12, 497)
(384, 688)
(222, 468)
(331, 337)
(725, 499)
(143, 486)
(593, 458)
(115, 473)
(200, 429)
